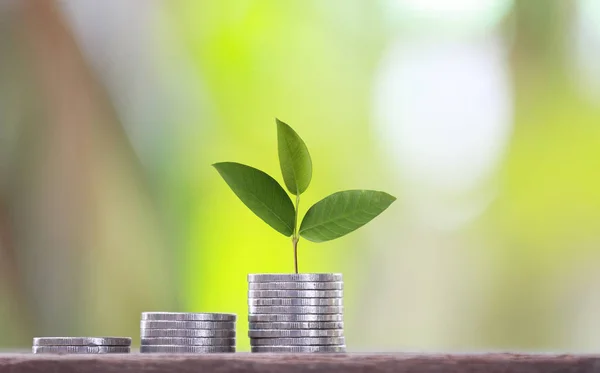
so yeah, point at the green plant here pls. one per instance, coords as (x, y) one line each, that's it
(332, 217)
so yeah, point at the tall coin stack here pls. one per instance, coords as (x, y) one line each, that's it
(296, 313)
(81, 345)
(179, 332)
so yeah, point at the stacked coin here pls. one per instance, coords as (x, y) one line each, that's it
(81, 345)
(296, 313)
(179, 332)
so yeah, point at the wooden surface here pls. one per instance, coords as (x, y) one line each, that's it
(245, 362)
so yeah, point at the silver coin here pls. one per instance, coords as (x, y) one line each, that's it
(308, 341)
(81, 341)
(295, 302)
(186, 349)
(294, 333)
(296, 309)
(287, 285)
(290, 317)
(296, 325)
(295, 294)
(189, 333)
(295, 277)
(299, 349)
(147, 324)
(80, 350)
(187, 316)
(174, 341)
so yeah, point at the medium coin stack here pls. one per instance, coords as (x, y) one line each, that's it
(296, 313)
(81, 345)
(179, 332)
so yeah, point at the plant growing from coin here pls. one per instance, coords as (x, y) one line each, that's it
(332, 217)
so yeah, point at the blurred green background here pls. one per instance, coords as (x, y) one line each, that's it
(481, 116)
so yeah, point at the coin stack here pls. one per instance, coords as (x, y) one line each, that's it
(296, 313)
(81, 345)
(179, 332)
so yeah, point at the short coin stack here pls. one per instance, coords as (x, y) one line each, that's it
(179, 332)
(81, 345)
(296, 313)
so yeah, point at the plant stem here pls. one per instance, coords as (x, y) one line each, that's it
(295, 244)
(295, 235)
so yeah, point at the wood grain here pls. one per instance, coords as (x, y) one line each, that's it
(350, 363)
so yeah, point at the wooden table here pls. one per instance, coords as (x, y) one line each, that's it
(347, 363)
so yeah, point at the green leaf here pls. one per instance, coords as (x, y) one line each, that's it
(343, 212)
(294, 159)
(261, 193)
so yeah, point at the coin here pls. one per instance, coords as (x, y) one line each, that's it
(296, 325)
(80, 349)
(186, 316)
(82, 341)
(147, 324)
(308, 341)
(296, 309)
(188, 341)
(300, 277)
(186, 349)
(299, 349)
(295, 293)
(294, 318)
(295, 333)
(295, 302)
(190, 333)
(287, 285)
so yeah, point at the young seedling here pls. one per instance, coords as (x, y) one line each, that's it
(332, 217)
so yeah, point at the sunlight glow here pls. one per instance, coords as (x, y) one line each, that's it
(456, 15)
(444, 110)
